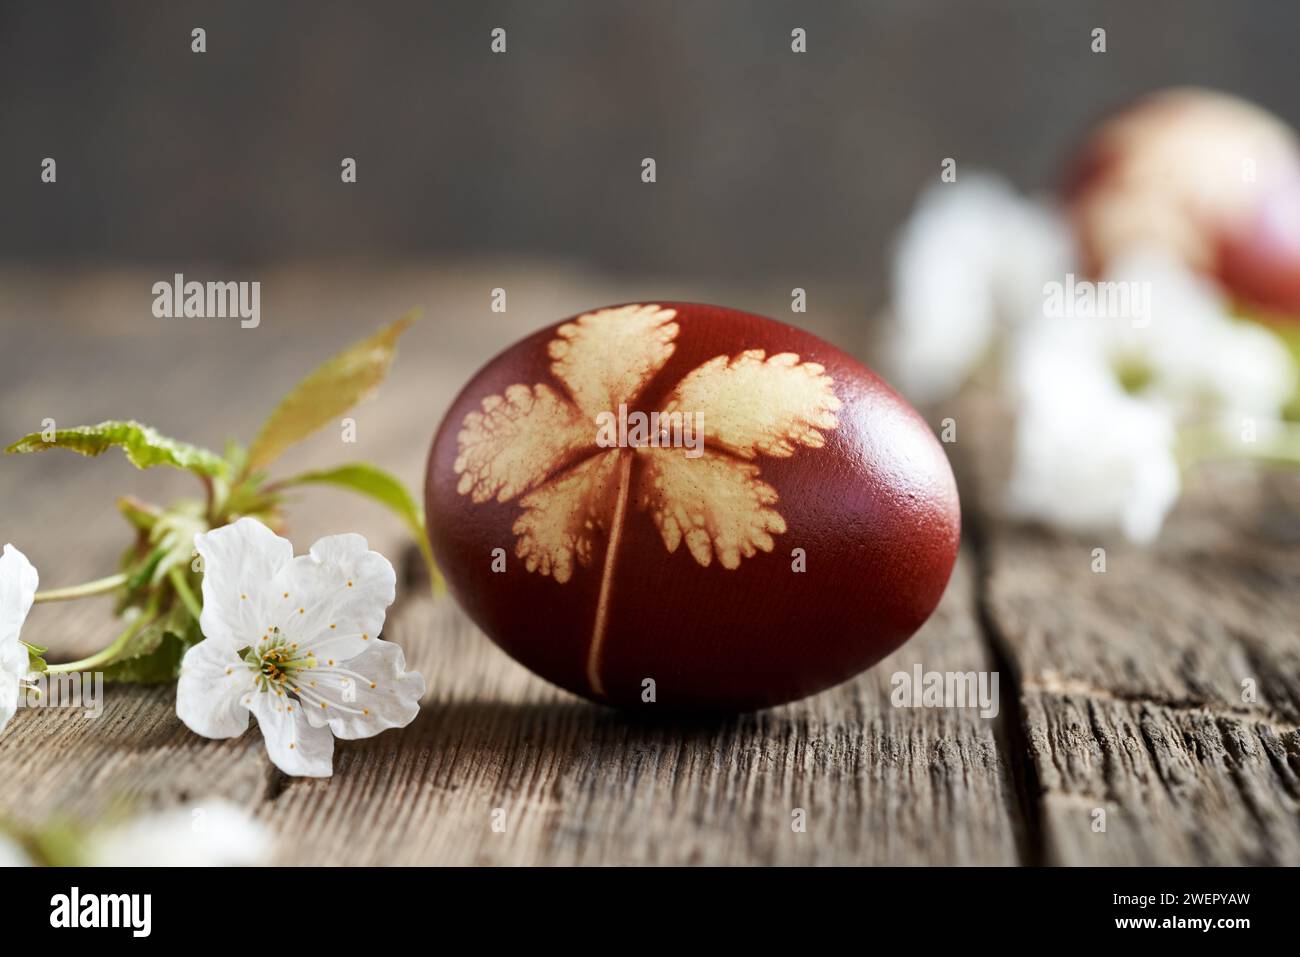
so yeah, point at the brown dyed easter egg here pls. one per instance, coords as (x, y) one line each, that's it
(685, 507)
(1202, 176)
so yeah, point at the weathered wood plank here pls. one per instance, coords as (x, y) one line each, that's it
(1120, 691)
(1176, 785)
(578, 784)
(1162, 691)
(59, 763)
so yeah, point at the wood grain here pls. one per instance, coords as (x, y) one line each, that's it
(576, 784)
(1162, 691)
(579, 784)
(1120, 691)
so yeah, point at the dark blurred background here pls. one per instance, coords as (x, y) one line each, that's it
(770, 163)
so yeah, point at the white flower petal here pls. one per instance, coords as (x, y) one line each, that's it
(1056, 360)
(1094, 461)
(338, 595)
(1201, 358)
(368, 694)
(211, 833)
(239, 563)
(293, 744)
(309, 619)
(1254, 374)
(213, 680)
(1154, 486)
(13, 668)
(974, 256)
(18, 584)
(9, 690)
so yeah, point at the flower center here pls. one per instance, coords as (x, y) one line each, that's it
(275, 661)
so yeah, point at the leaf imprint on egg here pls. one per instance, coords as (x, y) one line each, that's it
(539, 446)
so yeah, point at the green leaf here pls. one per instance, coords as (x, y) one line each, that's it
(160, 664)
(384, 488)
(140, 514)
(331, 390)
(35, 657)
(236, 455)
(142, 572)
(144, 446)
(153, 653)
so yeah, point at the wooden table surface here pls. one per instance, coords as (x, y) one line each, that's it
(1120, 692)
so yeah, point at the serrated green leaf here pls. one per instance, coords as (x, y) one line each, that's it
(144, 446)
(385, 488)
(331, 390)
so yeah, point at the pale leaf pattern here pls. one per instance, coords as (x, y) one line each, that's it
(534, 442)
(562, 518)
(752, 405)
(538, 445)
(510, 445)
(607, 357)
(717, 505)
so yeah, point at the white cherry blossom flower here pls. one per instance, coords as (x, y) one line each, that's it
(295, 642)
(18, 584)
(1107, 387)
(1103, 398)
(971, 261)
(1088, 457)
(1197, 356)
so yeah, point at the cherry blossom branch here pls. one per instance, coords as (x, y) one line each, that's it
(177, 578)
(106, 655)
(100, 586)
(157, 592)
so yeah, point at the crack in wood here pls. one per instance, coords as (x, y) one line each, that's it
(1012, 723)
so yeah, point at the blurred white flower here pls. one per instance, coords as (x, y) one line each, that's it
(295, 642)
(1195, 354)
(1091, 455)
(18, 584)
(973, 257)
(1090, 458)
(1057, 358)
(213, 833)
(1106, 374)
